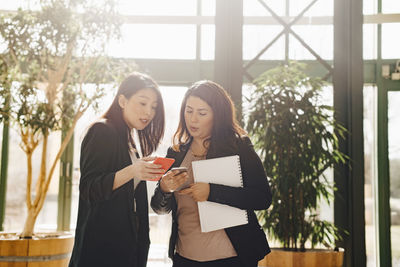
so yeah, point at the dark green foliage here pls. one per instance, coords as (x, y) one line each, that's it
(294, 134)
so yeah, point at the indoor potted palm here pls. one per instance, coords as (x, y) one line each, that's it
(53, 69)
(297, 138)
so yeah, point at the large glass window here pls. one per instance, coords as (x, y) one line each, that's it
(162, 41)
(256, 37)
(370, 6)
(318, 37)
(254, 8)
(158, 7)
(390, 6)
(390, 44)
(208, 7)
(149, 39)
(394, 172)
(370, 41)
(389, 50)
(319, 8)
(15, 213)
(370, 170)
(207, 42)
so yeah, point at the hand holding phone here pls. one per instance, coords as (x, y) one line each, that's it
(179, 170)
(174, 179)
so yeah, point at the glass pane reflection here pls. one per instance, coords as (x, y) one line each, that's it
(256, 37)
(370, 41)
(158, 7)
(318, 37)
(319, 8)
(390, 6)
(394, 171)
(254, 8)
(163, 41)
(370, 172)
(390, 41)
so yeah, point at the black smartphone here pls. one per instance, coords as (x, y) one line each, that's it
(180, 170)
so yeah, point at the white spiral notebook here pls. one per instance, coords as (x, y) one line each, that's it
(225, 171)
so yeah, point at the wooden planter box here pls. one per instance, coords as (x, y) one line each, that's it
(42, 250)
(310, 258)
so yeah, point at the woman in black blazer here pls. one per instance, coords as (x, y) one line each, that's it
(208, 129)
(112, 227)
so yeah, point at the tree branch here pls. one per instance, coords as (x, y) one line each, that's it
(42, 174)
(64, 144)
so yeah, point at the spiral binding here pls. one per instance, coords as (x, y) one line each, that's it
(240, 171)
(241, 181)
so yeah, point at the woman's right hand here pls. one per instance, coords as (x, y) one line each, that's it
(170, 181)
(143, 169)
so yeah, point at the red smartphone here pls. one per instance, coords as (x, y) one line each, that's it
(165, 163)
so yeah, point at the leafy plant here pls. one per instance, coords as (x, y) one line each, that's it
(53, 68)
(297, 138)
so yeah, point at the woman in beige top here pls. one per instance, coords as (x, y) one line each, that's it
(208, 129)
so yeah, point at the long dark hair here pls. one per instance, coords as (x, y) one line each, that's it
(225, 130)
(150, 136)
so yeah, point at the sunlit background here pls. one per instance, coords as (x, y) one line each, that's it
(169, 30)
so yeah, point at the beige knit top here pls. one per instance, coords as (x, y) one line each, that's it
(192, 243)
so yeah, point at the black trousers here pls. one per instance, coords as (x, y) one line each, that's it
(180, 261)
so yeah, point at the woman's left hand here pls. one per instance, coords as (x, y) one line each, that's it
(198, 191)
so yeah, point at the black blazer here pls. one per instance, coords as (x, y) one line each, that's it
(108, 232)
(248, 240)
